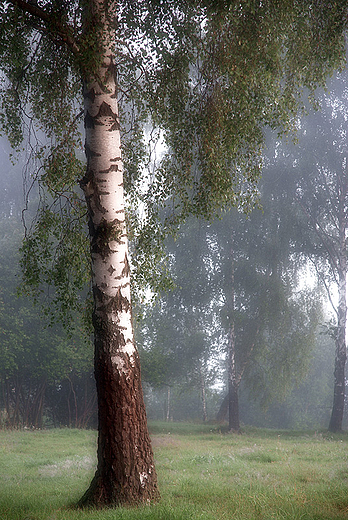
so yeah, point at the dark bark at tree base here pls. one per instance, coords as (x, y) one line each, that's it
(126, 474)
(234, 424)
(233, 409)
(222, 413)
(100, 495)
(336, 419)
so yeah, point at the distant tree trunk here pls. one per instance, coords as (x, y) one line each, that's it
(233, 380)
(341, 350)
(71, 385)
(340, 361)
(168, 403)
(203, 394)
(88, 404)
(15, 396)
(222, 413)
(125, 472)
(38, 405)
(233, 386)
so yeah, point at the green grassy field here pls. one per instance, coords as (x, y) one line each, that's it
(203, 474)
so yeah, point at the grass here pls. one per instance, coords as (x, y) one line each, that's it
(204, 473)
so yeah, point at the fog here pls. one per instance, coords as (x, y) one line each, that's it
(241, 321)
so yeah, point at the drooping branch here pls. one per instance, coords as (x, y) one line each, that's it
(327, 287)
(322, 235)
(61, 33)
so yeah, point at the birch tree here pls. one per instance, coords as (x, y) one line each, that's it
(269, 326)
(208, 76)
(125, 472)
(319, 165)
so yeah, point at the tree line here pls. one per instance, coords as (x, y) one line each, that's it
(240, 313)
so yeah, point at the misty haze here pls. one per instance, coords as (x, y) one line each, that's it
(173, 260)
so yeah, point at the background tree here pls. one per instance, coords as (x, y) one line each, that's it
(269, 326)
(236, 295)
(308, 405)
(38, 362)
(209, 76)
(319, 165)
(177, 333)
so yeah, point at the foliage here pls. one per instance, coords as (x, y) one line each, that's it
(240, 270)
(36, 359)
(320, 193)
(177, 334)
(315, 169)
(177, 330)
(203, 77)
(308, 404)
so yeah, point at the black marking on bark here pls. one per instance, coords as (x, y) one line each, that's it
(106, 305)
(91, 228)
(113, 69)
(113, 168)
(106, 111)
(92, 194)
(90, 153)
(99, 297)
(107, 332)
(114, 126)
(119, 303)
(116, 159)
(104, 233)
(90, 94)
(86, 179)
(126, 268)
(89, 121)
(111, 270)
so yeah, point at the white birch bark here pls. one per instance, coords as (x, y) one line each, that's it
(125, 472)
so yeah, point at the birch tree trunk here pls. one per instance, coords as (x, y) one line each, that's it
(341, 349)
(125, 472)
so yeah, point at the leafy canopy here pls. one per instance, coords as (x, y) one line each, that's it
(198, 81)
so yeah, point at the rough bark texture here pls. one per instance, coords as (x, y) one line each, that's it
(125, 473)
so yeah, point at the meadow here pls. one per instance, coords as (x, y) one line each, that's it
(204, 473)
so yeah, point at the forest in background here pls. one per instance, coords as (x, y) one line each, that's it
(245, 270)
